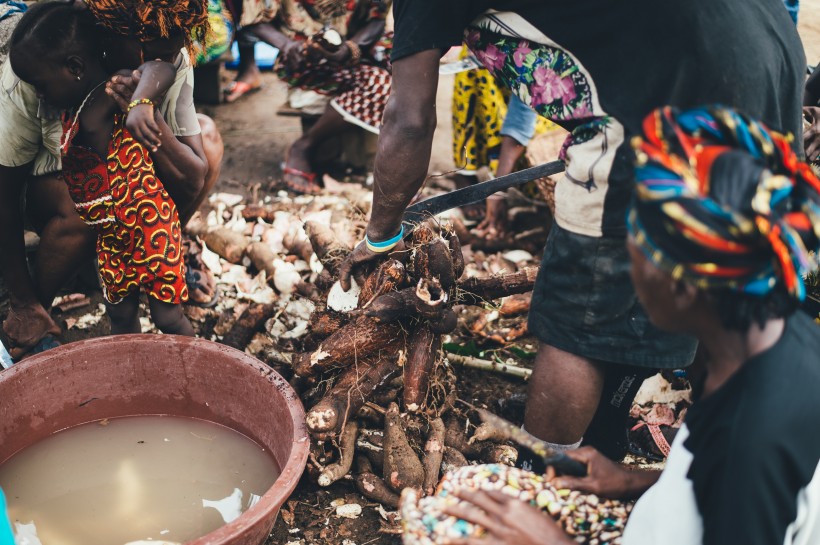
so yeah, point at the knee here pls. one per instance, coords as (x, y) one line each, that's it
(211, 141)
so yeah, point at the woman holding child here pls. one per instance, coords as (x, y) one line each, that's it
(187, 159)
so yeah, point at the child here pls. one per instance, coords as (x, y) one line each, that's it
(110, 175)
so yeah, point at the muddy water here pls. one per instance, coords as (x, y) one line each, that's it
(157, 478)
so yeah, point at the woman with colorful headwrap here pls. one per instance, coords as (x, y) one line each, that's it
(723, 224)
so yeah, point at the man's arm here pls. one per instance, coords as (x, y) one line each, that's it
(403, 155)
(27, 321)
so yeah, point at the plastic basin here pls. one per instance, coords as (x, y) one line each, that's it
(129, 375)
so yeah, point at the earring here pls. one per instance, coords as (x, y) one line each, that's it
(78, 78)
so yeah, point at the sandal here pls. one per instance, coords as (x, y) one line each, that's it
(202, 289)
(652, 441)
(309, 187)
(237, 89)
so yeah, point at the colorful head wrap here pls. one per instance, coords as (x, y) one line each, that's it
(154, 19)
(721, 201)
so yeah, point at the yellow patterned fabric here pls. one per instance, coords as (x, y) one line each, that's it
(139, 237)
(479, 108)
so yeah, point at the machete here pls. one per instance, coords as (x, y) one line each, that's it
(433, 206)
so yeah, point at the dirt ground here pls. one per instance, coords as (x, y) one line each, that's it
(256, 140)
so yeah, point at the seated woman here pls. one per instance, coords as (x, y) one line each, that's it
(340, 67)
(723, 218)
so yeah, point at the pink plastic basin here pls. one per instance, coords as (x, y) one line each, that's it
(130, 375)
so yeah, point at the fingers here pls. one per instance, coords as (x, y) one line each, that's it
(344, 272)
(492, 504)
(472, 514)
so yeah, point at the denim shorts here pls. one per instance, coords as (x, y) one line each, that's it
(584, 303)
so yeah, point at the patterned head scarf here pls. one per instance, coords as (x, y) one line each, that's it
(721, 201)
(154, 19)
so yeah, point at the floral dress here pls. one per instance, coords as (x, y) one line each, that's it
(138, 230)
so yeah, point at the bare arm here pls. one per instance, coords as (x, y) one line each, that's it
(155, 78)
(182, 165)
(405, 141)
(180, 160)
(403, 155)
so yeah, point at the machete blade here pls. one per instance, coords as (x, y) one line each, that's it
(433, 206)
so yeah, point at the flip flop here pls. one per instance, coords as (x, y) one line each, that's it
(308, 188)
(237, 89)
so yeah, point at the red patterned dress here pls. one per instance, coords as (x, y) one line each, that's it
(139, 238)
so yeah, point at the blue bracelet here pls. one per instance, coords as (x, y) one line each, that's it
(385, 246)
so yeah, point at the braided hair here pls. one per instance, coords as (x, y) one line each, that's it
(154, 19)
(723, 203)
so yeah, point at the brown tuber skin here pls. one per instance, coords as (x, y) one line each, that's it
(262, 258)
(402, 467)
(421, 360)
(452, 460)
(433, 455)
(347, 446)
(456, 254)
(352, 389)
(477, 291)
(433, 260)
(384, 279)
(250, 321)
(372, 486)
(362, 337)
(323, 324)
(394, 305)
(228, 244)
(326, 246)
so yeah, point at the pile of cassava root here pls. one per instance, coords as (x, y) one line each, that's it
(380, 399)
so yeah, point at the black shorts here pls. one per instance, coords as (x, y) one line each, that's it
(583, 303)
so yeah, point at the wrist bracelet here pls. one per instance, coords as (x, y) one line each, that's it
(355, 52)
(134, 103)
(385, 246)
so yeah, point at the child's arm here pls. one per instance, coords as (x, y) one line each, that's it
(154, 79)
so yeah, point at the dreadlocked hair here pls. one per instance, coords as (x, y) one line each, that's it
(154, 19)
(50, 27)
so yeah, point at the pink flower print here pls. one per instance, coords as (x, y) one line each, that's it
(472, 38)
(520, 54)
(548, 86)
(492, 58)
